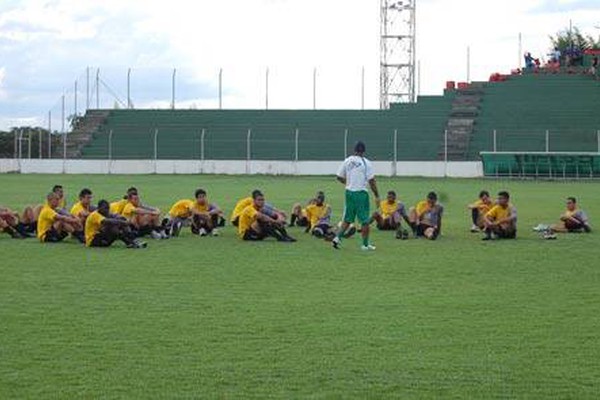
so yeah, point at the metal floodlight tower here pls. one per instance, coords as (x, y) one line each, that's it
(397, 58)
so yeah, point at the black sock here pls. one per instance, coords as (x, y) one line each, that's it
(293, 220)
(475, 215)
(79, 236)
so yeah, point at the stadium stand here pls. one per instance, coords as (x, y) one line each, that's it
(520, 109)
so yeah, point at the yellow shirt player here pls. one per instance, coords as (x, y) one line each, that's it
(389, 213)
(182, 209)
(53, 227)
(426, 217)
(93, 224)
(253, 224)
(206, 217)
(479, 209)
(239, 207)
(501, 220)
(117, 207)
(573, 219)
(318, 214)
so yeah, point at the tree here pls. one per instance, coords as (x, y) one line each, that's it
(572, 38)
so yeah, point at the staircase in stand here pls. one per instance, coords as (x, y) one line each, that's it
(461, 122)
(82, 134)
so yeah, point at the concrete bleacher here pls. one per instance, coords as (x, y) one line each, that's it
(524, 107)
(321, 133)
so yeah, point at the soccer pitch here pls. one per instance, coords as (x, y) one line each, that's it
(216, 317)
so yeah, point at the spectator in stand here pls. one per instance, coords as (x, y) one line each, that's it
(529, 62)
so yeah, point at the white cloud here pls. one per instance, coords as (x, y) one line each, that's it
(46, 45)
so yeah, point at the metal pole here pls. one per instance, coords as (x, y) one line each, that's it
(419, 78)
(155, 144)
(16, 144)
(547, 141)
(129, 88)
(598, 138)
(40, 143)
(248, 149)
(29, 146)
(395, 165)
(64, 133)
(49, 134)
(296, 144)
(173, 89)
(110, 135)
(75, 100)
(202, 144)
(362, 89)
(315, 88)
(221, 89)
(98, 88)
(468, 64)
(520, 50)
(445, 153)
(267, 89)
(87, 88)
(495, 141)
(345, 142)
(20, 143)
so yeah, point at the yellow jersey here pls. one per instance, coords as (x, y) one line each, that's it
(62, 203)
(316, 213)
(241, 206)
(498, 212)
(388, 209)
(247, 218)
(428, 214)
(182, 209)
(45, 221)
(93, 223)
(483, 208)
(118, 206)
(78, 208)
(129, 210)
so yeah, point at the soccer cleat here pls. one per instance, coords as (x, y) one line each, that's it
(156, 235)
(336, 243)
(368, 247)
(549, 236)
(351, 231)
(202, 232)
(540, 228)
(474, 229)
(215, 232)
(137, 244)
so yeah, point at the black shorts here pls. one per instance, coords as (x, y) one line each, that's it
(421, 228)
(574, 226)
(302, 221)
(504, 233)
(253, 236)
(102, 240)
(235, 222)
(53, 236)
(387, 225)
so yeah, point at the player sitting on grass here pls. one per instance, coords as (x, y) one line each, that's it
(54, 227)
(144, 220)
(102, 231)
(267, 209)
(117, 207)
(255, 225)
(299, 216)
(501, 220)
(573, 220)
(14, 225)
(83, 207)
(387, 217)
(479, 209)
(205, 217)
(318, 214)
(426, 218)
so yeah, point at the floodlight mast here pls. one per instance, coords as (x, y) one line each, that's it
(397, 52)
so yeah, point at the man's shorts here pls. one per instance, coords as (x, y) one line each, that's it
(235, 222)
(253, 236)
(572, 226)
(357, 207)
(53, 236)
(102, 240)
(421, 228)
(504, 232)
(387, 224)
(302, 221)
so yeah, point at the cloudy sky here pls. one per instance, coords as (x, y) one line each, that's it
(47, 45)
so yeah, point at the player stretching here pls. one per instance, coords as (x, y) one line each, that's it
(356, 172)
(501, 220)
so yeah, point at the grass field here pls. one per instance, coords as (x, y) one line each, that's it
(218, 318)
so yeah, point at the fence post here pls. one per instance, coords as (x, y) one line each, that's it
(445, 153)
(110, 135)
(547, 141)
(315, 88)
(296, 144)
(75, 100)
(40, 143)
(345, 142)
(598, 136)
(128, 88)
(248, 150)
(49, 134)
(29, 146)
(155, 150)
(20, 144)
(62, 125)
(395, 164)
(64, 145)
(202, 144)
(98, 88)
(495, 141)
(16, 143)
(221, 89)
(173, 89)
(267, 89)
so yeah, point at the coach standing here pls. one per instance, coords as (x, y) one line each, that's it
(356, 172)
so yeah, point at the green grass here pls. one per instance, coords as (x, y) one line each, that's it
(218, 318)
